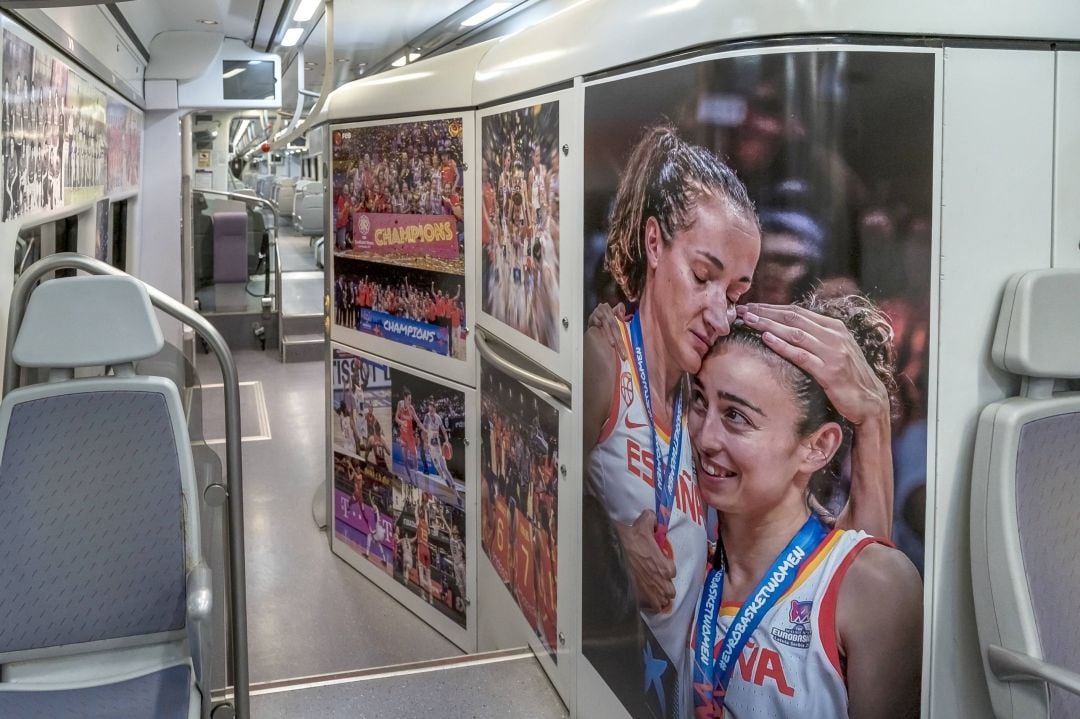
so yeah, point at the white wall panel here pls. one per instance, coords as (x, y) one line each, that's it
(92, 27)
(996, 175)
(1066, 165)
(157, 254)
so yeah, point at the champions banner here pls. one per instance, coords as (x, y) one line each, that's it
(408, 332)
(389, 234)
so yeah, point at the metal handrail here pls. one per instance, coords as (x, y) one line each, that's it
(560, 391)
(231, 382)
(1012, 666)
(280, 300)
(273, 206)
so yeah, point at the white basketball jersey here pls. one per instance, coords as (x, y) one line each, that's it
(791, 667)
(620, 474)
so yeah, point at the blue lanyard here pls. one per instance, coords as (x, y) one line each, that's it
(665, 485)
(713, 670)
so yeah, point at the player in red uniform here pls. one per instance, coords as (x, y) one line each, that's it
(407, 422)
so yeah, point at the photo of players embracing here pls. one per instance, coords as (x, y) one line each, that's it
(742, 403)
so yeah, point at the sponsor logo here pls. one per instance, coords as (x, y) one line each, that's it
(365, 225)
(798, 634)
(633, 425)
(626, 383)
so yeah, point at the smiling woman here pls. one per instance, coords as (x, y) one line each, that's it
(765, 438)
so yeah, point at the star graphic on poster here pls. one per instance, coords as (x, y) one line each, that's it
(654, 672)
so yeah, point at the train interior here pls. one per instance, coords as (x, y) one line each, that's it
(330, 329)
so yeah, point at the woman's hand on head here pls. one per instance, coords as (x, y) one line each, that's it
(606, 318)
(823, 348)
(653, 571)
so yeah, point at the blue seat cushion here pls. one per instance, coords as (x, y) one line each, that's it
(164, 694)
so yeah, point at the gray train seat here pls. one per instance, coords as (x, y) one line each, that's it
(105, 594)
(1025, 505)
(231, 246)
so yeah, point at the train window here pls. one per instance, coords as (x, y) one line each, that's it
(67, 240)
(27, 249)
(119, 235)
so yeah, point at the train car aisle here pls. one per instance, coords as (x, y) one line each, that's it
(323, 640)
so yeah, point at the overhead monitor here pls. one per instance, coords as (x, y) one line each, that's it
(249, 79)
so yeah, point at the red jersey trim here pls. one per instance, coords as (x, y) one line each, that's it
(827, 613)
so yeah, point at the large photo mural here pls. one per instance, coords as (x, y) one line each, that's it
(757, 285)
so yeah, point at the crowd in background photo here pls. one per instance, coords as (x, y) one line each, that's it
(520, 220)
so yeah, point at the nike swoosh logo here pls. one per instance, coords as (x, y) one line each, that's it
(634, 425)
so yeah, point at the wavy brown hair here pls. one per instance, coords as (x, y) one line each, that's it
(665, 178)
(870, 329)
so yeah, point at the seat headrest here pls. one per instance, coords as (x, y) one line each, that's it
(87, 322)
(1038, 331)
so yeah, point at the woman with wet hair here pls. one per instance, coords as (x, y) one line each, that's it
(683, 244)
(783, 627)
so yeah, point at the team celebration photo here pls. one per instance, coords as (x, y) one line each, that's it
(399, 233)
(519, 457)
(520, 220)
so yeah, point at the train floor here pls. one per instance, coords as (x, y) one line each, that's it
(324, 641)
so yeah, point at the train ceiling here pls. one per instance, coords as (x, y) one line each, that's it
(368, 34)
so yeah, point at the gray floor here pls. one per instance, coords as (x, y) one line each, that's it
(302, 292)
(295, 250)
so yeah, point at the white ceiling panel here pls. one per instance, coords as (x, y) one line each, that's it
(236, 18)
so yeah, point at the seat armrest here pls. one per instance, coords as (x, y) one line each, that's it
(200, 597)
(1010, 666)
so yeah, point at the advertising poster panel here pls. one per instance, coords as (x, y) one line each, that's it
(399, 233)
(399, 477)
(35, 92)
(53, 134)
(123, 156)
(520, 220)
(84, 142)
(784, 177)
(519, 457)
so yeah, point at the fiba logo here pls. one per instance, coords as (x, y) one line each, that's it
(365, 225)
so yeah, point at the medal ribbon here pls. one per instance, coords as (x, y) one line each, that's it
(665, 484)
(713, 669)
